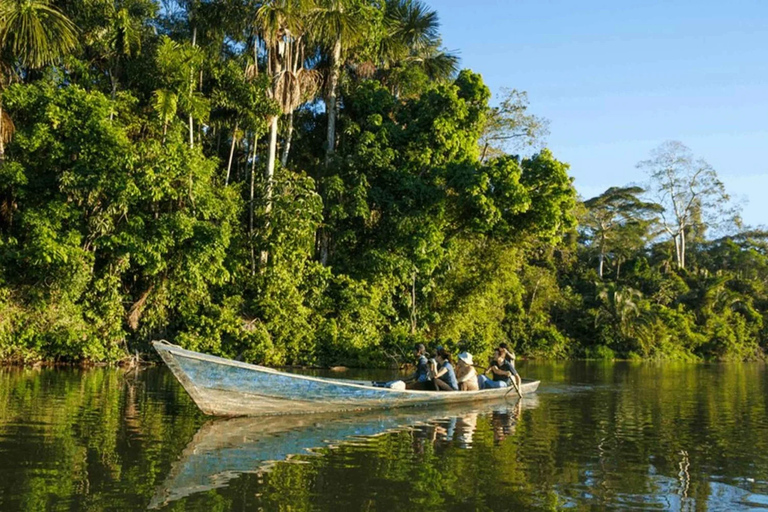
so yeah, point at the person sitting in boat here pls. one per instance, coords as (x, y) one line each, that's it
(445, 376)
(501, 371)
(466, 375)
(421, 378)
(509, 355)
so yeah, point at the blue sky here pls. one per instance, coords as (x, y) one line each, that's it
(616, 79)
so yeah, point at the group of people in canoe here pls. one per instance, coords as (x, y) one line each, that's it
(438, 372)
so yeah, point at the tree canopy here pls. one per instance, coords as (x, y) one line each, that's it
(315, 182)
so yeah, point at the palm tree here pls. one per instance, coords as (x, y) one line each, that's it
(412, 39)
(33, 33)
(619, 308)
(124, 40)
(338, 26)
(411, 28)
(165, 103)
(282, 26)
(176, 62)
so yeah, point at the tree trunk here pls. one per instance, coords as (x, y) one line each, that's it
(270, 173)
(2, 133)
(331, 106)
(113, 95)
(413, 304)
(253, 181)
(682, 248)
(191, 126)
(533, 296)
(231, 152)
(287, 148)
(191, 90)
(191, 132)
(331, 103)
(325, 244)
(677, 249)
(601, 260)
(250, 205)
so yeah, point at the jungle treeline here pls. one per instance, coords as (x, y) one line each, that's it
(317, 182)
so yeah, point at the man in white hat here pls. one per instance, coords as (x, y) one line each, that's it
(465, 373)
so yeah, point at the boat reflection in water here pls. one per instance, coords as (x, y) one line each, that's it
(223, 449)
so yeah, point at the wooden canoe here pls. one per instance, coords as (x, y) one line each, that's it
(223, 387)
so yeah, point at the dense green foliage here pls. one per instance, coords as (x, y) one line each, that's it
(142, 197)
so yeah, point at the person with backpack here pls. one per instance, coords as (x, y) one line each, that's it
(421, 379)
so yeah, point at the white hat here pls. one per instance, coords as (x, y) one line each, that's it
(466, 357)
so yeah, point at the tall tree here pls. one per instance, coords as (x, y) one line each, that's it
(176, 62)
(510, 126)
(281, 25)
(687, 188)
(614, 217)
(338, 25)
(410, 52)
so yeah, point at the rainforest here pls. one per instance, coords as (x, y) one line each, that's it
(318, 182)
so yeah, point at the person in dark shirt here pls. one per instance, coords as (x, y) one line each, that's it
(445, 377)
(509, 356)
(501, 371)
(421, 378)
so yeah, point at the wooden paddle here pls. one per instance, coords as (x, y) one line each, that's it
(517, 388)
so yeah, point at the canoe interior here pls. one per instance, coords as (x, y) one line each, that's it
(223, 387)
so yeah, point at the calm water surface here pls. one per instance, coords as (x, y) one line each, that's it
(595, 437)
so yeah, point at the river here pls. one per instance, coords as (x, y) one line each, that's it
(623, 436)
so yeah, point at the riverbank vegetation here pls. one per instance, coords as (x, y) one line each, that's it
(317, 182)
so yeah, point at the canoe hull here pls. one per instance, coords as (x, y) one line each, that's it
(222, 387)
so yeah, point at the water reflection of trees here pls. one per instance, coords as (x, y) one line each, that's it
(613, 437)
(89, 439)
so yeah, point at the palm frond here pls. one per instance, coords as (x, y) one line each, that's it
(35, 32)
(411, 24)
(295, 88)
(165, 103)
(336, 19)
(439, 65)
